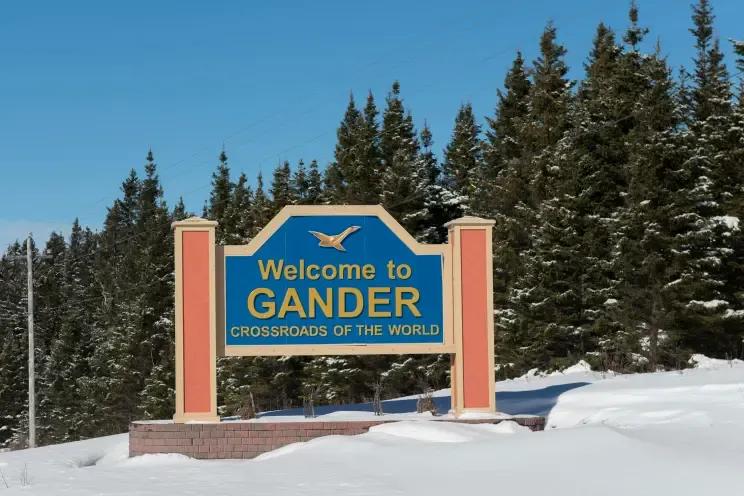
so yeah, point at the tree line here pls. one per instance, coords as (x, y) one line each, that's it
(617, 201)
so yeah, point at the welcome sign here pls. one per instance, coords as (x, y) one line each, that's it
(333, 280)
(349, 278)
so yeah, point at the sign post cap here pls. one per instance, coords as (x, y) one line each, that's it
(194, 222)
(469, 220)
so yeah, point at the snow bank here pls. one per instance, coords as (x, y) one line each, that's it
(674, 433)
(711, 394)
(443, 432)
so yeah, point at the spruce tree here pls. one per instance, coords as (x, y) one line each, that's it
(261, 209)
(403, 181)
(281, 188)
(341, 172)
(13, 348)
(711, 94)
(219, 198)
(299, 183)
(507, 197)
(239, 216)
(713, 189)
(315, 193)
(548, 104)
(536, 328)
(648, 263)
(463, 160)
(502, 136)
(71, 351)
(441, 203)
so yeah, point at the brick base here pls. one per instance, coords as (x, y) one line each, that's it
(250, 439)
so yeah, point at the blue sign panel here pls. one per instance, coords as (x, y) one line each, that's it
(334, 280)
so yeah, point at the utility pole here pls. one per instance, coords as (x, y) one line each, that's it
(31, 348)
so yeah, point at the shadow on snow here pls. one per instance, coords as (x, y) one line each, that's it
(533, 402)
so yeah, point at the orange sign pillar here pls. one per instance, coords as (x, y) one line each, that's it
(473, 388)
(196, 382)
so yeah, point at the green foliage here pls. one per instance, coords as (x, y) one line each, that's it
(617, 240)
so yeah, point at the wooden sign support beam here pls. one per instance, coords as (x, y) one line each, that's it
(196, 332)
(473, 388)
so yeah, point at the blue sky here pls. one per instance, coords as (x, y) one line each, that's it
(88, 86)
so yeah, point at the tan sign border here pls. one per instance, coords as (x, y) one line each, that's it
(252, 247)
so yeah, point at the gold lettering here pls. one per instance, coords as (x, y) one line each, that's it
(368, 271)
(268, 306)
(342, 310)
(291, 303)
(408, 301)
(270, 268)
(374, 300)
(290, 272)
(326, 306)
(352, 271)
(329, 272)
(312, 272)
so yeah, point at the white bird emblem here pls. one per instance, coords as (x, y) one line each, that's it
(336, 241)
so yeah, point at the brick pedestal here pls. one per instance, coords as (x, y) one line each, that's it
(250, 439)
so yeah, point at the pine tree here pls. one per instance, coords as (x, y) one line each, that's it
(647, 262)
(281, 188)
(548, 104)
(592, 155)
(508, 198)
(219, 198)
(354, 176)
(441, 204)
(299, 183)
(179, 211)
(155, 346)
(711, 95)
(239, 216)
(403, 184)
(13, 349)
(463, 166)
(713, 179)
(502, 137)
(537, 330)
(339, 173)
(315, 193)
(261, 209)
(71, 351)
(365, 185)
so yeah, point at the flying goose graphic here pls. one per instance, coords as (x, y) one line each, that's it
(327, 241)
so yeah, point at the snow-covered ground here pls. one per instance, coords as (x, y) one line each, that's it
(672, 433)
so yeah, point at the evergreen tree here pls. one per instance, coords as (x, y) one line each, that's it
(13, 348)
(507, 197)
(354, 177)
(647, 261)
(239, 216)
(339, 173)
(711, 94)
(463, 159)
(71, 351)
(548, 104)
(543, 212)
(219, 198)
(299, 184)
(441, 203)
(403, 181)
(713, 178)
(261, 209)
(281, 188)
(179, 211)
(315, 193)
(502, 137)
